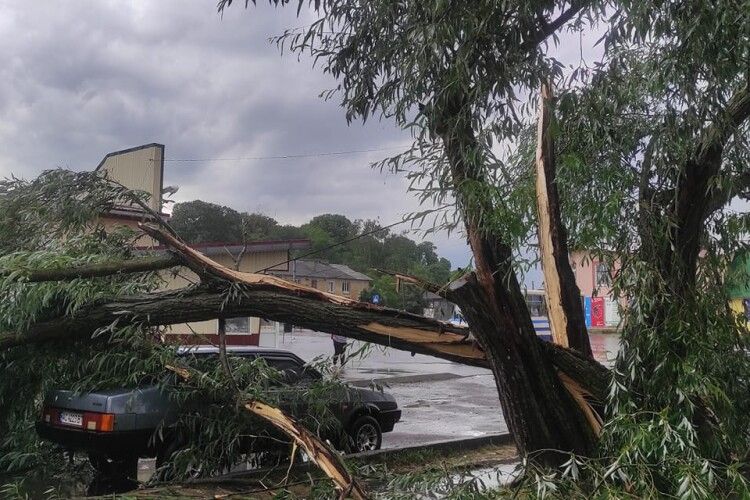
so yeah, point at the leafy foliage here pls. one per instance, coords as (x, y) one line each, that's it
(65, 208)
(652, 148)
(60, 210)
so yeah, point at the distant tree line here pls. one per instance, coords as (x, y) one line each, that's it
(199, 222)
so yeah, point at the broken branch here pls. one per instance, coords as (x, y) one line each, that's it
(137, 265)
(563, 296)
(321, 454)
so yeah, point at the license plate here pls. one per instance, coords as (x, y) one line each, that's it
(71, 418)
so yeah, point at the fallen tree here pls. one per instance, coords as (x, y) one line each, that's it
(279, 300)
(654, 148)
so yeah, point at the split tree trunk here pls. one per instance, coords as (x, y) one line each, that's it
(541, 414)
(566, 318)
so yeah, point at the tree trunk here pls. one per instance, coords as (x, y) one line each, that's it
(386, 327)
(363, 322)
(563, 296)
(540, 413)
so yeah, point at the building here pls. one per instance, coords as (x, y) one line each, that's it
(594, 280)
(437, 307)
(141, 168)
(255, 256)
(333, 278)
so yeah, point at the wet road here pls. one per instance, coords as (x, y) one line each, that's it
(440, 400)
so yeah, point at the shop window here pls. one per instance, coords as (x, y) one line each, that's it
(603, 277)
(237, 325)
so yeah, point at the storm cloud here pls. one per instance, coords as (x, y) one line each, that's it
(82, 78)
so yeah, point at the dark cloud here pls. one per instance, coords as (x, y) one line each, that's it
(82, 78)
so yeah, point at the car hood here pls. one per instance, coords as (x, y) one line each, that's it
(362, 395)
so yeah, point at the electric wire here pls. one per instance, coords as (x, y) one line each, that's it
(287, 156)
(354, 238)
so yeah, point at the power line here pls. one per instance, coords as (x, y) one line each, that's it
(289, 156)
(353, 238)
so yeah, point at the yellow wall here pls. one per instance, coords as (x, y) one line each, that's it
(251, 262)
(140, 169)
(111, 223)
(355, 286)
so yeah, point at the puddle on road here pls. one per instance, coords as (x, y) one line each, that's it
(381, 371)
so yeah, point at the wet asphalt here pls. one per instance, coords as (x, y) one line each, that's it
(440, 400)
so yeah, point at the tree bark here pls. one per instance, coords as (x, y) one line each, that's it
(693, 196)
(98, 269)
(387, 327)
(541, 414)
(563, 296)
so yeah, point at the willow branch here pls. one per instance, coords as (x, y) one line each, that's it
(136, 265)
(320, 453)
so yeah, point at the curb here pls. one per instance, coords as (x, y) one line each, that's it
(367, 456)
(463, 444)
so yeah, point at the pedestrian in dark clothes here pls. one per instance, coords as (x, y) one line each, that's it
(339, 346)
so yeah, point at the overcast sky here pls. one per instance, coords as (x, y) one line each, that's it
(82, 78)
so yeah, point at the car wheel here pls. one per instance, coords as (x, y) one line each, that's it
(365, 434)
(113, 474)
(126, 466)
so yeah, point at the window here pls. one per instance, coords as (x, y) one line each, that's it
(291, 370)
(603, 277)
(537, 305)
(205, 360)
(344, 287)
(314, 283)
(237, 325)
(331, 286)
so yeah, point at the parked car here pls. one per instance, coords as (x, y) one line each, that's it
(116, 427)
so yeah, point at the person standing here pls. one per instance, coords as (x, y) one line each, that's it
(339, 346)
